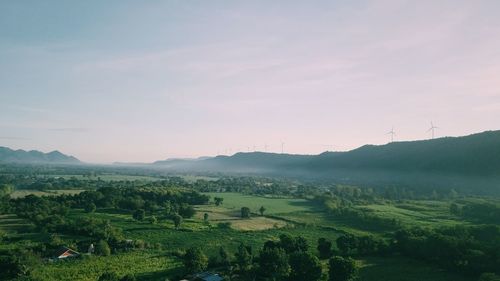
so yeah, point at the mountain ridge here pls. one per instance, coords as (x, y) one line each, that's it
(8, 155)
(476, 154)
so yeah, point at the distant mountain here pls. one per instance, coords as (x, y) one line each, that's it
(8, 155)
(450, 161)
(477, 154)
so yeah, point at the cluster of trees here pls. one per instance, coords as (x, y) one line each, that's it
(471, 250)
(49, 214)
(17, 264)
(341, 207)
(147, 198)
(485, 212)
(287, 259)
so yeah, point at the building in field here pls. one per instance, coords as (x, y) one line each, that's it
(65, 252)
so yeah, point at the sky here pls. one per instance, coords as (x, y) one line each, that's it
(139, 81)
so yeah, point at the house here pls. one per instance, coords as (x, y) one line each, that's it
(65, 252)
(207, 276)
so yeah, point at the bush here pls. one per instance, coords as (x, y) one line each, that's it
(224, 225)
(139, 244)
(177, 219)
(102, 248)
(342, 269)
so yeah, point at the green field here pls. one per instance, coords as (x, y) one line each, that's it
(283, 215)
(143, 264)
(421, 213)
(274, 206)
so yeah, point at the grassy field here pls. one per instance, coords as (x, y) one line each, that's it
(274, 206)
(223, 215)
(413, 213)
(283, 215)
(143, 264)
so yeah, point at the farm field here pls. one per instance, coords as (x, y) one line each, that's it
(145, 265)
(296, 217)
(274, 206)
(415, 213)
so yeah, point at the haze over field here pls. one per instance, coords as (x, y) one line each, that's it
(141, 81)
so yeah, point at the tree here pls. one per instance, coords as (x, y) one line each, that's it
(244, 257)
(262, 210)
(324, 248)
(293, 244)
(139, 214)
(102, 248)
(301, 244)
(109, 276)
(346, 243)
(177, 221)
(342, 269)
(304, 266)
(194, 260)
(218, 201)
(12, 267)
(273, 264)
(245, 212)
(90, 208)
(205, 217)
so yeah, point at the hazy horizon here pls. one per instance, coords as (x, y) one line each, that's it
(133, 81)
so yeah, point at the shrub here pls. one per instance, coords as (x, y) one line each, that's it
(102, 248)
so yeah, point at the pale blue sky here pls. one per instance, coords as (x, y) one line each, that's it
(146, 80)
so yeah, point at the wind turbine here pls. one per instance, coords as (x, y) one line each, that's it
(431, 129)
(282, 147)
(392, 133)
